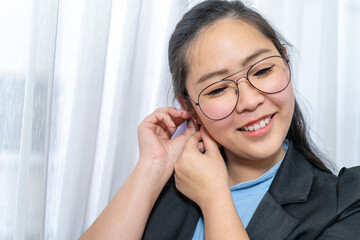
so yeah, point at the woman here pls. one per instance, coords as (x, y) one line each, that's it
(244, 168)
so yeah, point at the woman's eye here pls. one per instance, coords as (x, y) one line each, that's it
(216, 91)
(262, 72)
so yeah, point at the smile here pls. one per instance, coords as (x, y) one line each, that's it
(257, 126)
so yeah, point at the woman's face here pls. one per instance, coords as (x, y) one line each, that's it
(225, 48)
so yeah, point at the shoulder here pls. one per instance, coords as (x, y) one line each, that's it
(322, 202)
(346, 221)
(345, 187)
(348, 187)
(343, 190)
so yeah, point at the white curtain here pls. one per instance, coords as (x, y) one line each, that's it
(77, 77)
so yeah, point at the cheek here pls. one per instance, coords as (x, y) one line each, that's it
(216, 129)
(218, 112)
(285, 101)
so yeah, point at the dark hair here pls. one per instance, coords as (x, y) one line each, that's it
(208, 13)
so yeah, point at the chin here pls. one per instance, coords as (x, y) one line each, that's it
(257, 151)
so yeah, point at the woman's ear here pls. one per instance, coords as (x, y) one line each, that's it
(186, 105)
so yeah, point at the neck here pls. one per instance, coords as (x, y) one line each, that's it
(242, 170)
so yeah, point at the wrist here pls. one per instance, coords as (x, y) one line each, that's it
(216, 200)
(221, 218)
(153, 173)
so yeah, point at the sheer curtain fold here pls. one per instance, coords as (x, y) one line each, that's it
(119, 61)
(85, 94)
(77, 78)
(27, 97)
(348, 86)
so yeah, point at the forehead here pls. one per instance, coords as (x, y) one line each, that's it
(224, 45)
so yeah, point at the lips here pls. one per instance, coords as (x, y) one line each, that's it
(257, 124)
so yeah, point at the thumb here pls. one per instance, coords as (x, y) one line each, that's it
(209, 143)
(193, 141)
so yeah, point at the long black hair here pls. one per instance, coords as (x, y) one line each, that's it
(208, 13)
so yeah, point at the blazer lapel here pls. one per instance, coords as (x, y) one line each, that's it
(271, 221)
(291, 184)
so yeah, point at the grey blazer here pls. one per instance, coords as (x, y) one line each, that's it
(303, 202)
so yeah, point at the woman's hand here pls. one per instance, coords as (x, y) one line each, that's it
(201, 176)
(126, 215)
(155, 144)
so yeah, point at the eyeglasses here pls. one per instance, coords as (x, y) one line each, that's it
(269, 75)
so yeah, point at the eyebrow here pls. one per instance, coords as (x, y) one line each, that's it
(226, 71)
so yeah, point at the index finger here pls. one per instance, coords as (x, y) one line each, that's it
(178, 116)
(209, 143)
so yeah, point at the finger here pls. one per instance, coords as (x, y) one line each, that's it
(175, 112)
(163, 128)
(209, 143)
(166, 119)
(178, 116)
(159, 123)
(193, 141)
(183, 134)
(160, 117)
(190, 129)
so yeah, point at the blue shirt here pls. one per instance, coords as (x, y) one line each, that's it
(246, 197)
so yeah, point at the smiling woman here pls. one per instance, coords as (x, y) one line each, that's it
(245, 167)
(224, 46)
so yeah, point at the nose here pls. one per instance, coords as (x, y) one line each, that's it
(249, 97)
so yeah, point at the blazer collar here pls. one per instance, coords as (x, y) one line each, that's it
(291, 184)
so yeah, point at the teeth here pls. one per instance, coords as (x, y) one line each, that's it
(262, 124)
